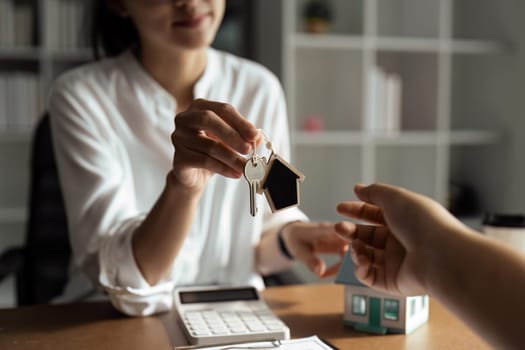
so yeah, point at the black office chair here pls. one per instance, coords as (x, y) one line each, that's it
(41, 265)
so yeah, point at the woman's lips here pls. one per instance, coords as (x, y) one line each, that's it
(192, 22)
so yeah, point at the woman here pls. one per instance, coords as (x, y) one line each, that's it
(145, 215)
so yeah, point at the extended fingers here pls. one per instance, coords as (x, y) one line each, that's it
(369, 265)
(375, 236)
(375, 257)
(346, 230)
(361, 211)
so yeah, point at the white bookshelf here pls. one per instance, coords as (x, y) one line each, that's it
(327, 76)
(26, 49)
(13, 215)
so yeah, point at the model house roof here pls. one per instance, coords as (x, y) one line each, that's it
(346, 272)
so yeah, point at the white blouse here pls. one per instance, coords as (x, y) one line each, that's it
(111, 125)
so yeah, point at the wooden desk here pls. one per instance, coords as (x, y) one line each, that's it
(308, 310)
(319, 310)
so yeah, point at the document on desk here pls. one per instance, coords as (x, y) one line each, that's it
(309, 343)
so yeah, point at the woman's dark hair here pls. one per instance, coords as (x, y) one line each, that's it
(110, 33)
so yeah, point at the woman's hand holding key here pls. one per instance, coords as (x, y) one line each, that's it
(210, 138)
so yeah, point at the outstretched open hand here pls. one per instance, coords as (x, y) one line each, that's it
(388, 249)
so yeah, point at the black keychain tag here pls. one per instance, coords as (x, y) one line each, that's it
(281, 184)
(277, 179)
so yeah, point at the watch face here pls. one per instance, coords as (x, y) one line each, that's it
(217, 295)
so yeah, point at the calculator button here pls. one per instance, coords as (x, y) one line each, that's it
(210, 316)
(234, 323)
(197, 326)
(213, 320)
(217, 326)
(200, 332)
(260, 311)
(220, 331)
(274, 327)
(239, 330)
(197, 322)
(267, 318)
(248, 318)
(256, 327)
(194, 318)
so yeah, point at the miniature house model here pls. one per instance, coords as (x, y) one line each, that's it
(377, 312)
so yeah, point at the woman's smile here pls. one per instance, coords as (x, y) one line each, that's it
(192, 22)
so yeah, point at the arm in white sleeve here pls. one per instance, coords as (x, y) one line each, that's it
(269, 257)
(98, 191)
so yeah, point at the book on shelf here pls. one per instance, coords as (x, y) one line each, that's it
(20, 101)
(7, 25)
(66, 24)
(384, 100)
(3, 103)
(23, 25)
(16, 23)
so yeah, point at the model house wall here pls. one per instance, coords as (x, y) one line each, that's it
(372, 311)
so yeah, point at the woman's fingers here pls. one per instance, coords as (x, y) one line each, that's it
(361, 211)
(314, 263)
(203, 152)
(213, 126)
(240, 129)
(204, 161)
(332, 270)
(329, 243)
(210, 135)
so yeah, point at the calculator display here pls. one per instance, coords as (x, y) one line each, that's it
(213, 296)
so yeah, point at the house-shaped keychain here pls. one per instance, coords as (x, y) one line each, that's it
(281, 184)
(372, 311)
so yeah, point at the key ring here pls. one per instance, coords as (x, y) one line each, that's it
(254, 156)
(268, 142)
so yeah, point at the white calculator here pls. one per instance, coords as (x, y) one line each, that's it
(220, 315)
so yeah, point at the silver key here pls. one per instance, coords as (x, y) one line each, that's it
(254, 173)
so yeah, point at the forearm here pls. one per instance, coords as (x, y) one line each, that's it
(269, 258)
(483, 283)
(157, 241)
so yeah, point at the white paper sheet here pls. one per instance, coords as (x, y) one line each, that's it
(309, 343)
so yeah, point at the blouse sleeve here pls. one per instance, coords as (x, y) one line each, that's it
(98, 192)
